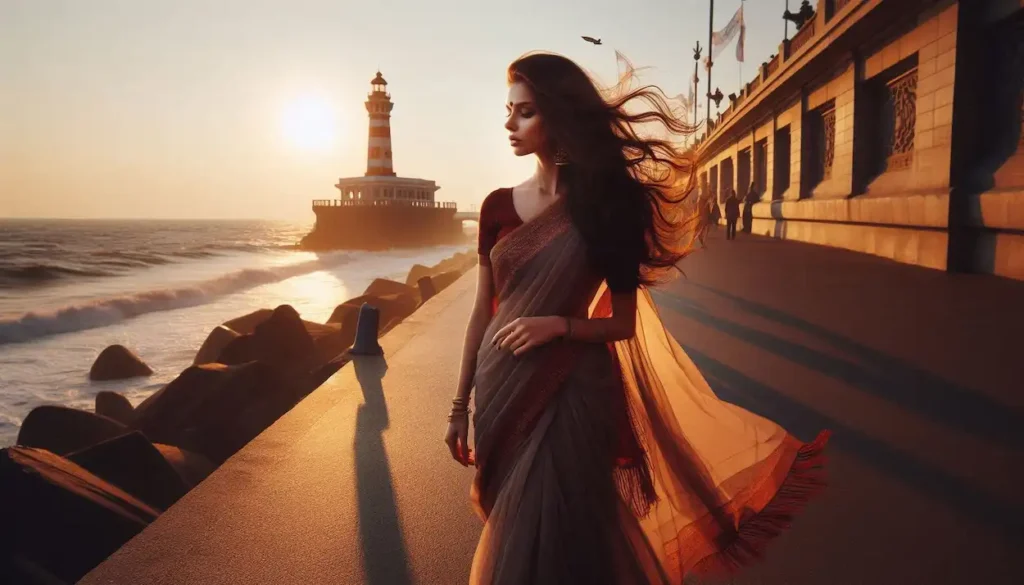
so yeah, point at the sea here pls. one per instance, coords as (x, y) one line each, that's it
(70, 288)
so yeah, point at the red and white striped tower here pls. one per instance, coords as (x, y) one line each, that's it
(378, 106)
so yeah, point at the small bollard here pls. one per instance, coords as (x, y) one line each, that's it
(366, 332)
(426, 286)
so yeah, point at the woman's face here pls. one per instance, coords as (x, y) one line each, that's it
(524, 124)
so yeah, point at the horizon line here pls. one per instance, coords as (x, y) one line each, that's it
(36, 218)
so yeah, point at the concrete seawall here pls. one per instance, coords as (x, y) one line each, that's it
(333, 492)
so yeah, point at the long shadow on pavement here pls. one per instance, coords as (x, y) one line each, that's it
(735, 387)
(889, 378)
(385, 558)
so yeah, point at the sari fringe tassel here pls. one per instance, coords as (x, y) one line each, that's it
(636, 487)
(806, 478)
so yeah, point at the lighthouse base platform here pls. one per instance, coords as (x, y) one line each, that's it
(379, 225)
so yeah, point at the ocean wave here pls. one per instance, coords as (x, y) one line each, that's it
(9, 420)
(34, 273)
(21, 269)
(126, 263)
(192, 254)
(137, 258)
(108, 311)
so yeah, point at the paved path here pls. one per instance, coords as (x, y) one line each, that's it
(918, 374)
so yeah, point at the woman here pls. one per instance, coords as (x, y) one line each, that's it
(602, 456)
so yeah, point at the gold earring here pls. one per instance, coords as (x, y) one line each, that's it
(561, 157)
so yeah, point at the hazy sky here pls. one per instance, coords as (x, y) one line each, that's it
(252, 108)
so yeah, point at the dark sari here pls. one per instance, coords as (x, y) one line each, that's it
(613, 463)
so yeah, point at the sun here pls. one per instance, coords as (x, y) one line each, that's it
(310, 123)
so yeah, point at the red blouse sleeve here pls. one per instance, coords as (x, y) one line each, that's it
(490, 225)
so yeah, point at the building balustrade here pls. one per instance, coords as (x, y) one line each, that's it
(789, 49)
(802, 36)
(382, 203)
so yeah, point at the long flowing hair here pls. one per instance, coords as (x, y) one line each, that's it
(626, 193)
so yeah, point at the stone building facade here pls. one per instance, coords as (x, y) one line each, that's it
(889, 127)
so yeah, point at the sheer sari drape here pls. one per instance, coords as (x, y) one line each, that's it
(613, 463)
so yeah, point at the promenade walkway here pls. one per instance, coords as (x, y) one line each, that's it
(919, 374)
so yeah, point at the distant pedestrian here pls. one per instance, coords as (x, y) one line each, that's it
(732, 215)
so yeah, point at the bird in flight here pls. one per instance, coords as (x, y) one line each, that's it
(592, 40)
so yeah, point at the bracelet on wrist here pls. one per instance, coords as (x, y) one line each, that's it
(460, 408)
(458, 414)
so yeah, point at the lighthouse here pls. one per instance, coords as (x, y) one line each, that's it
(381, 210)
(380, 183)
(378, 107)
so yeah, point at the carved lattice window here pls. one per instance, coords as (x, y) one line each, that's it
(828, 140)
(899, 117)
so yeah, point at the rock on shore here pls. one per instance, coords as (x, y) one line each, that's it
(59, 519)
(116, 363)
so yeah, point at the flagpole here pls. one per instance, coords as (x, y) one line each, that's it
(786, 25)
(740, 40)
(696, 86)
(711, 64)
(696, 79)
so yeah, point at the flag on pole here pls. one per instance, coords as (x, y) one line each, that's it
(721, 39)
(743, 36)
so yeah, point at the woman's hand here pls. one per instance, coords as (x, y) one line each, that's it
(525, 333)
(457, 439)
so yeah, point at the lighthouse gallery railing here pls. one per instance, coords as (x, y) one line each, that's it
(382, 203)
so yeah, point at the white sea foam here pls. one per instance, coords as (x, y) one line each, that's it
(108, 311)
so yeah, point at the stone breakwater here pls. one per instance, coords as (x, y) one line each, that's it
(77, 485)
